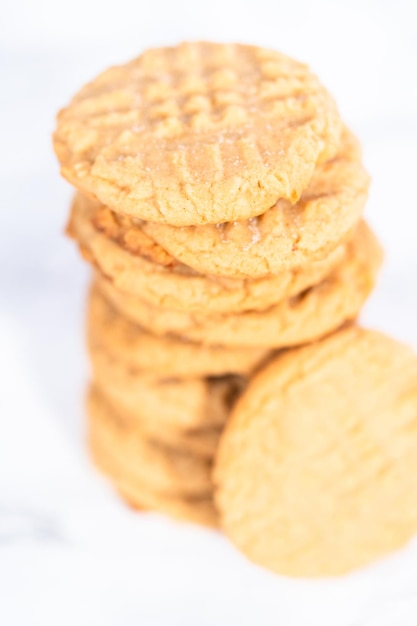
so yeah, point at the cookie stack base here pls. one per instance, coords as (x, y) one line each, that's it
(148, 474)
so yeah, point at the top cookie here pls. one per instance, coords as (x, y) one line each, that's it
(198, 133)
(285, 237)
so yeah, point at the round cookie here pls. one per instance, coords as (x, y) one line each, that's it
(162, 357)
(306, 317)
(286, 236)
(187, 414)
(139, 266)
(200, 442)
(197, 133)
(198, 508)
(158, 466)
(317, 470)
(181, 404)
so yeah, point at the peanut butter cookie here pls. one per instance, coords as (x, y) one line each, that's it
(198, 133)
(185, 404)
(305, 317)
(160, 467)
(286, 236)
(121, 341)
(139, 495)
(317, 470)
(138, 265)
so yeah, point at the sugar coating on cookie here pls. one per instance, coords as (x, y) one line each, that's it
(198, 133)
(138, 265)
(317, 471)
(307, 316)
(286, 236)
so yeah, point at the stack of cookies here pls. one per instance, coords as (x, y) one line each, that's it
(219, 200)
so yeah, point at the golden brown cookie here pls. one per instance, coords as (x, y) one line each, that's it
(317, 470)
(138, 265)
(197, 133)
(286, 236)
(306, 317)
(162, 357)
(150, 413)
(182, 404)
(197, 508)
(198, 441)
(158, 466)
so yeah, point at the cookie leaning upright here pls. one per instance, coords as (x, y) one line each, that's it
(198, 133)
(317, 470)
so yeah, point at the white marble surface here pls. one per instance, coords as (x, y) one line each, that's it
(70, 552)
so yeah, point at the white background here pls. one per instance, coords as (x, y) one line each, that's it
(70, 553)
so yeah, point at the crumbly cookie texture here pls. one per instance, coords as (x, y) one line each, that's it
(305, 317)
(198, 133)
(317, 471)
(162, 468)
(138, 265)
(286, 236)
(141, 352)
